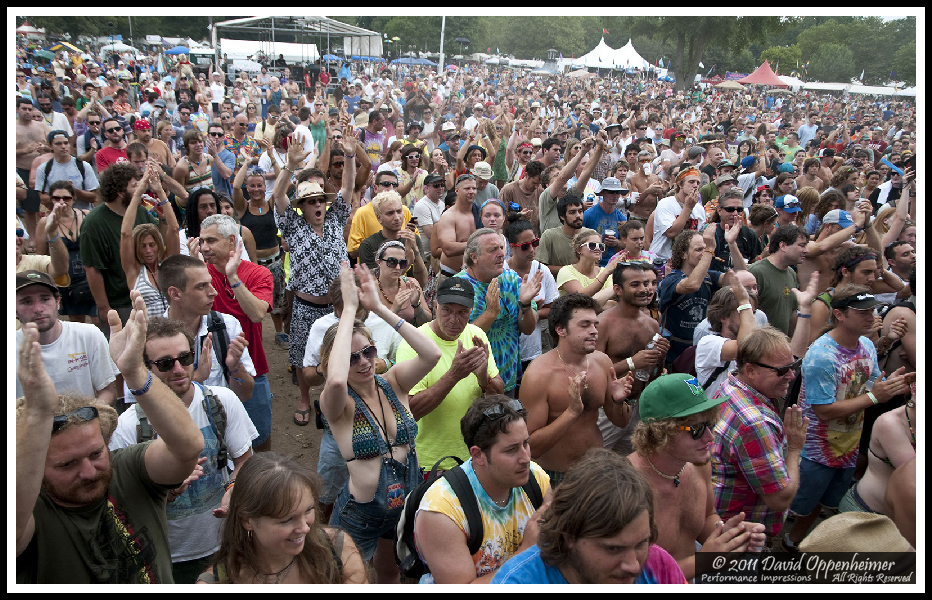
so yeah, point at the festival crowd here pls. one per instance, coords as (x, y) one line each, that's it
(553, 329)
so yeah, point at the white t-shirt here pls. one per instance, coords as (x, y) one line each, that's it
(217, 92)
(384, 335)
(704, 328)
(709, 358)
(265, 163)
(531, 345)
(665, 214)
(670, 155)
(58, 121)
(78, 361)
(69, 171)
(193, 530)
(427, 212)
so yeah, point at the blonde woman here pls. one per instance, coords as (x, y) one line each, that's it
(585, 276)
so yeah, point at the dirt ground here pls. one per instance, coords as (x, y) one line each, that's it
(301, 443)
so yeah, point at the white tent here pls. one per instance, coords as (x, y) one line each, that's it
(601, 57)
(627, 57)
(793, 82)
(293, 53)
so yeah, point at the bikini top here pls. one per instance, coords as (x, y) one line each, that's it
(368, 441)
(885, 460)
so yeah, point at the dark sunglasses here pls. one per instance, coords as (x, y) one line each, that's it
(167, 364)
(85, 413)
(526, 152)
(338, 164)
(93, 122)
(68, 197)
(525, 245)
(386, 184)
(595, 246)
(730, 209)
(369, 352)
(437, 186)
(112, 129)
(338, 137)
(494, 413)
(697, 430)
(393, 262)
(781, 371)
(215, 134)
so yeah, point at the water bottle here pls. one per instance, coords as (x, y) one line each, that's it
(644, 374)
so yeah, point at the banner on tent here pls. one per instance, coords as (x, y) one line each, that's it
(731, 75)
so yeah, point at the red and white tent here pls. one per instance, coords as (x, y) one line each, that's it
(764, 75)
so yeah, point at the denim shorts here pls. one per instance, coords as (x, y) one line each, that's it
(259, 409)
(819, 484)
(331, 467)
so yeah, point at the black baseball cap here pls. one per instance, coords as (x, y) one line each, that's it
(455, 290)
(859, 301)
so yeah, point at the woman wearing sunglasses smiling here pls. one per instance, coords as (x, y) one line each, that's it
(585, 276)
(371, 421)
(401, 294)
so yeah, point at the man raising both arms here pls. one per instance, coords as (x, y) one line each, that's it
(564, 388)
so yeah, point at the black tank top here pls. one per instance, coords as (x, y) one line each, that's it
(263, 228)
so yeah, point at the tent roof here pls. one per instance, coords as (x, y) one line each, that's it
(629, 58)
(764, 75)
(308, 25)
(601, 57)
(241, 49)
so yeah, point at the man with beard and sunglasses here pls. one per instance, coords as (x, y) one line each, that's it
(755, 453)
(672, 452)
(114, 149)
(84, 514)
(194, 508)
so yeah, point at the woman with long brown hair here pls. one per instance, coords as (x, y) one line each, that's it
(272, 534)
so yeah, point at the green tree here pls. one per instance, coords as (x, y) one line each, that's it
(904, 63)
(832, 62)
(743, 61)
(785, 56)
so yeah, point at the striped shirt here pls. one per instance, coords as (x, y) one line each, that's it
(748, 455)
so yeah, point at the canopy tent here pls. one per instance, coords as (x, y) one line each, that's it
(627, 57)
(764, 75)
(325, 31)
(250, 66)
(178, 50)
(404, 61)
(368, 58)
(44, 54)
(201, 50)
(30, 31)
(600, 57)
(119, 47)
(793, 82)
(582, 73)
(331, 58)
(249, 49)
(730, 85)
(64, 46)
(831, 87)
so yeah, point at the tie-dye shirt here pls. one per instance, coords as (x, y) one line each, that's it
(502, 527)
(832, 373)
(504, 335)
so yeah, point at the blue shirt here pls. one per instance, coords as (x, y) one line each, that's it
(222, 184)
(529, 567)
(596, 218)
(680, 313)
(352, 101)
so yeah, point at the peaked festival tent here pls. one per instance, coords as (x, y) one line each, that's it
(764, 75)
(601, 57)
(627, 57)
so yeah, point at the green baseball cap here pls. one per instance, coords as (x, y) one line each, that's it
(676, 395)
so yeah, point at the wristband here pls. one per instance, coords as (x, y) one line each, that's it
(712, 252)
(163, 203)
(630, 364)
(870, 395)
(236, 285)
(399, 324)
(349, 156)
(53, 240)
(144, 389)
(287, 169)
(744, 307)
(802, 316)
(523, 306)
(229, 484)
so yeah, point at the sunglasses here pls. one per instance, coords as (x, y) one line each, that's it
(781, 371)
(697, 430)
(112, 129)
(414, 155)
(68, 197)
(215, 134)
(370, 352)
(437, 186)
(526, 245)
(385, 184)
(167, 364)
(338, 164)
(595, 246)
(93, 122)
(526, 152)
(393, 262)
(494, 413)
(731, 209)
(338, 137)
(85, 413)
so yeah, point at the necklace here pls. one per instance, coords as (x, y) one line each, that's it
(384, 295)
(503, 502)
(279, 575)
(912, 430)
(585, 383)
(74, 221)
(675, 478)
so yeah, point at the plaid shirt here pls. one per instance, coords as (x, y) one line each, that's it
(748, 455)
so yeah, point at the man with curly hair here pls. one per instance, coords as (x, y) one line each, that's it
(672, 452)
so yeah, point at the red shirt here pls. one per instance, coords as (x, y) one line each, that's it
(106, 156)
(257, 280)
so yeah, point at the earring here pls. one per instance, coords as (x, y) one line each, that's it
(249, 534)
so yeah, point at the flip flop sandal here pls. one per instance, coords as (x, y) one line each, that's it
(303, 413)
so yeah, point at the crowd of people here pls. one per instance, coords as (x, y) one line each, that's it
(553, 330)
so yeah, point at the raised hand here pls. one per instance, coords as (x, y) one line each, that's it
(37, 385)
(804, 299)
(206, 361)
(897, 329)
(194, 248)
(731, 233)
(236, 350)
(795, 425)
(620, 389)
(530, 287)
(236, 257)
(127, 344)
(296, 153)
(492, 303)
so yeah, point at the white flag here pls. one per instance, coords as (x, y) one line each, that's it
(862, 76)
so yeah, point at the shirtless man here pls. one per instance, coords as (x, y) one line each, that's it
(810, 177)
(455, 226)
(563, 389)
(826, 166)
(680, 473)
(31, 142)
(640, 180)
(823, 249)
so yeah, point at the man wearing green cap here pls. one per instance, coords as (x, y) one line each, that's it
(672, 451)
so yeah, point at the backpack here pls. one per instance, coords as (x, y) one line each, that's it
(216, 414)
(409, 562)
(686, 363)
(48, 169)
